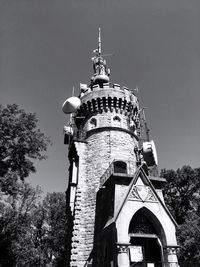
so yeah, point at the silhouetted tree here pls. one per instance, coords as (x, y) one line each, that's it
(182, 196)
(20, 143)
(15, 223)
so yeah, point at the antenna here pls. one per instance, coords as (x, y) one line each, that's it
(136, 89)
(99, 42)
(145, 124)
(101, 73)
(140, 117)
(73, 90)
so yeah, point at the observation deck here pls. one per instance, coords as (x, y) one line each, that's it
(122, 169)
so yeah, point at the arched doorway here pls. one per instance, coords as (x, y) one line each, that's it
(144, 232)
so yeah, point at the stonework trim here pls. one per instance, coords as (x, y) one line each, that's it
(171, 250)
(106, 103)
(138, 195)
(100, 129)
(123, 248)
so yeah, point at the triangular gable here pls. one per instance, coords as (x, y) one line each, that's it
(140, 189)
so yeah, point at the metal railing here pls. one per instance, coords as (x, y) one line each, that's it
(189, 264)
(154, 264)
(165, 264)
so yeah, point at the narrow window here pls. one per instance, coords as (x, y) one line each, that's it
(93, 123)
(116, 121)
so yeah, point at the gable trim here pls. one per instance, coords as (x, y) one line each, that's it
(145, 178)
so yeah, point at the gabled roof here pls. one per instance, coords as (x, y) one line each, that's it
(140, 173)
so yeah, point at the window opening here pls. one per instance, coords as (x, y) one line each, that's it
(116, 121)
(120, 167)
(93, 123)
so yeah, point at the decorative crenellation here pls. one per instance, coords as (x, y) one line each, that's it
(118, 105)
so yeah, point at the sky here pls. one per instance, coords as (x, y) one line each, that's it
(46, 48)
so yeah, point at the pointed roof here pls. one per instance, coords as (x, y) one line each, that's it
(140, 173)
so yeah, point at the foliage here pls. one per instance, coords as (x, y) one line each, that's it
(182, 196)
(20, 142)
(54, 206)
(180, 190)
(189, 237)
(15, 219)
(32, 233)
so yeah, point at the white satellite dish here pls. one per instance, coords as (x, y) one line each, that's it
(149, 153)
(71, 105)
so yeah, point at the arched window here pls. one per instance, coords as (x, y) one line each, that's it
(93, 123)
(120, 167)
(140, 224)
(117, 121)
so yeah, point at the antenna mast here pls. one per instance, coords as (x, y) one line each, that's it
(99, 42)
(101, 73)
(145, 125)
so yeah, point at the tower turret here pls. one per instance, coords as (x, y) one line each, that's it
(117, 209)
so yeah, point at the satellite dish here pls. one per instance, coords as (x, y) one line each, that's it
(149, 153)
(71, 105)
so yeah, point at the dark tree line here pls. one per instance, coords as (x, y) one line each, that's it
(182, 196)
(32, 231)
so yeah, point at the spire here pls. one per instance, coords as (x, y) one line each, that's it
(101, 74)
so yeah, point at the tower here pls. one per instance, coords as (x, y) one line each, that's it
(115, 198)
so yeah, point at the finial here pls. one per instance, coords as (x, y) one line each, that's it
(101, 74)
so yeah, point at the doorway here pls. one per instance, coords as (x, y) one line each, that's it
(145, 248)
(150, 251)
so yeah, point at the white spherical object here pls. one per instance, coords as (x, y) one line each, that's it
(71, 105)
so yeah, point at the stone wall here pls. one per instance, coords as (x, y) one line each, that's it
(106, 140)
(94, 158)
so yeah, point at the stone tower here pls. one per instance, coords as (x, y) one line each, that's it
(118, 215)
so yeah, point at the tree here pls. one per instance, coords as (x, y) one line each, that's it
(180, 190)
(32, 233)
(15, 223)
(182, 196)
(54, 206)
(20, 143)
(189, 238)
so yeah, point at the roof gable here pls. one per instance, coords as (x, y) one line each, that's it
(140, 189)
